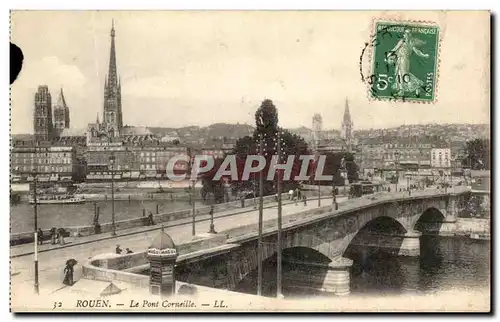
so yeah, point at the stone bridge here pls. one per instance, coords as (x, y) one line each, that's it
(316, 243)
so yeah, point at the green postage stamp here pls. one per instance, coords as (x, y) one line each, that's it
(404, 61)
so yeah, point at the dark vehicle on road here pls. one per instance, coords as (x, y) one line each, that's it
(363, 188)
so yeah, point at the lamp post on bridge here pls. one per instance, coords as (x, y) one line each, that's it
(317, 181)
(112, 163)
(35, 219)
(396, 155)
(334, 192)
(261, 214)
(279, 254)
(193, 203)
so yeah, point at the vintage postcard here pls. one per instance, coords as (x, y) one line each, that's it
(250, 161)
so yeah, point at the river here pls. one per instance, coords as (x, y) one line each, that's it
(445, 263)
(81, 214)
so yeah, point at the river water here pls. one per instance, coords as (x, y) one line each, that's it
(81, 214)
(445, 263)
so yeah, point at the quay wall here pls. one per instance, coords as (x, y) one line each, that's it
(78, 231)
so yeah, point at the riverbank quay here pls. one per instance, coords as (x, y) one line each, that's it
(139, 225)
(86, 230)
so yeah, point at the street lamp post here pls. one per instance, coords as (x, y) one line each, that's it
(396, 155)
(418, 169)
(334, 192)
(112, 163)
(261, 213)
(254, 193)
(279, 245)
(35, 219)
(319, 187)
(193, 204)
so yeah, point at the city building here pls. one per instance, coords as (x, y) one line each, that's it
(48, 162)
(132, 160)
(333, 145)
(347, 127)
(441, 158)
(388, 152)
(42, 120)
(61, 115)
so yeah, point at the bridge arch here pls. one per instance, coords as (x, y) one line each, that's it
(430, 219)
(293, 256)
(387, 225)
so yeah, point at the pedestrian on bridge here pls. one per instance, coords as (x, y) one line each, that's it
(53, 235)
(304, 198)
(40, 236)
(150, 219)
(60, 234)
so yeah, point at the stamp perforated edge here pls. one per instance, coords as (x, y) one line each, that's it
(370, 50)
(10, 164)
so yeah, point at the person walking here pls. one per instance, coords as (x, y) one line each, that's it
(68, 272)
(118, 250)
(150, 219)
(60, 235)
(40, 236)
(53, 235)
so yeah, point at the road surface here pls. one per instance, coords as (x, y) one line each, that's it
(51, 263)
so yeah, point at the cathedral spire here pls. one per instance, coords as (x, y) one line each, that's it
(112, 73)
(347, 125)
(112, 112)
(347, 114)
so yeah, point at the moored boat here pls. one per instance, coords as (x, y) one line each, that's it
(57, 199)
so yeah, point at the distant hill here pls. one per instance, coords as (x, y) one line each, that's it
(228, 130)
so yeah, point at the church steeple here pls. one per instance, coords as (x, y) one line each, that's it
(347, 114)
(347, 125)
(112, 115)
(112, 72)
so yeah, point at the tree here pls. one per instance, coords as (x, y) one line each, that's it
(351, 167)
(211, 186)
(477, 154)
(266, 119)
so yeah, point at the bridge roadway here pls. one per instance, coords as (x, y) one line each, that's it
(52, 261)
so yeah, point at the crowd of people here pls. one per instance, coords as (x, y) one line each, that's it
(56, 236)
(119, 251)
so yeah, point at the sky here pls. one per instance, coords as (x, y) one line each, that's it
(199, 68)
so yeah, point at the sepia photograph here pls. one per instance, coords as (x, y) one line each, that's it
(250, 161)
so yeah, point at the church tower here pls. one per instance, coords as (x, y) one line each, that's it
(112, 94)
(61, 114)
(317, 128)
(347, 125)
(42, 121)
